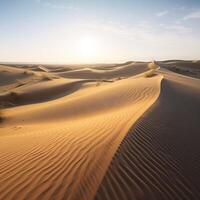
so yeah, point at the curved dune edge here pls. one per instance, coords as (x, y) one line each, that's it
(45, 91)
(125, 70)
(159, 157)
(67, 157)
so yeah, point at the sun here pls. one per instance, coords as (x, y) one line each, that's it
(87, 47)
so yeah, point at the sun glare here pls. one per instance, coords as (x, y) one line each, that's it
(87, 47)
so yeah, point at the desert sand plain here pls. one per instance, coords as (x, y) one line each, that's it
(107, 132)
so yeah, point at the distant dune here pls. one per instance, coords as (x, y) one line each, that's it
(188, 68)
(126, 70)
(118, 131)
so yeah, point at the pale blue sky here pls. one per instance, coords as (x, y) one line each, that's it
(76, 31)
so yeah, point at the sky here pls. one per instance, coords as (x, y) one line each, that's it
(98, 31)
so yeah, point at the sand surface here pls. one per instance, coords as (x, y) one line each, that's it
(60, 148)
(118, 131)
(160, 156)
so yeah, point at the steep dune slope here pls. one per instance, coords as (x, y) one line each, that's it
(61, 149)
(160, 156)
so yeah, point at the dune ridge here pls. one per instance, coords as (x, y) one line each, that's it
(124, 70)
(119, 131)
(60, 149)
(159, 158)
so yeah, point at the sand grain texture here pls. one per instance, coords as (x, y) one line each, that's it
(160, 156)
(61, 148)
(103, 132)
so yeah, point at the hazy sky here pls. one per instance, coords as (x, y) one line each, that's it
(76, 31)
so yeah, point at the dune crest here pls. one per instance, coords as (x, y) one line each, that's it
(61, 149)
(159, 157)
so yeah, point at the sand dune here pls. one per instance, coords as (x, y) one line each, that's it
(9, 75)
(189, 68)
(60, 149)
(43, 91)
(125, 70)
(159, 157)
(117, 131)
(15, 77)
